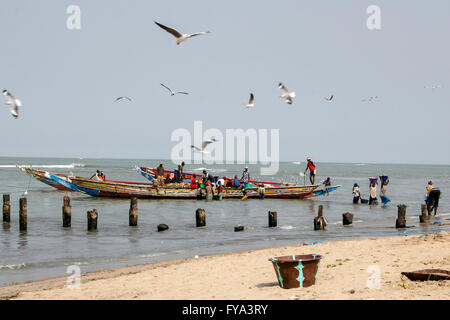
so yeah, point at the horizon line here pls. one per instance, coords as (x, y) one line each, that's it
(282, 161)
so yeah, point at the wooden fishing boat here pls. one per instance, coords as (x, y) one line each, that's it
(323, 192)
(178, 191)
(40, 176)
(50, 179)
(428, 274)
(150, 173)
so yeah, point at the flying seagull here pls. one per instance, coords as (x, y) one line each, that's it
(250, 103)
(329, 99)
(120, 98)
(433, 87)
(180, 37)
(204, 144)
(286, 94)
(171, 92)
(13, 102)
(370, 98)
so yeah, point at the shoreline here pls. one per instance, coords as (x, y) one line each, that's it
(248, 275)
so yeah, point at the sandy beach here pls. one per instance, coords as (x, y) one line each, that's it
(343, 274)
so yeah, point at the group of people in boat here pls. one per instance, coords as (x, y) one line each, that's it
(212, 185)
(99, 176)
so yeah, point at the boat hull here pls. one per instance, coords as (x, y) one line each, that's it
(123, 190)
(40, 176)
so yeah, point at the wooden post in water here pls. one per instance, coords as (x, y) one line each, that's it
(23, 214)
(133, 220)
(401, 218)
(92, 217)
(66, 212)
(200, 217)
(6, 208)
(319, 223)
(424, 218)
(347, 219)
(272, 219)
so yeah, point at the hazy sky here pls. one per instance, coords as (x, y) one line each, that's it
(67, 79)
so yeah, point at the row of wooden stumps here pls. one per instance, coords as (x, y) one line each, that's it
(320, 221)
(200, 216)
(22, 211)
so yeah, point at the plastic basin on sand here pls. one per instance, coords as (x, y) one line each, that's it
(297, 271)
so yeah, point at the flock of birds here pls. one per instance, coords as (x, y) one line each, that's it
(180, 37)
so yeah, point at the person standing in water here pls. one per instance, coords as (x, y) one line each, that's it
(373, 193)
(312, 169)
(432, 199)
(384, 182)
(356, 193)
(209, 191)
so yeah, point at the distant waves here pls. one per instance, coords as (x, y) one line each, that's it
(60, 166)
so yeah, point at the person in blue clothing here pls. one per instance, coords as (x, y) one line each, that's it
(236, 182)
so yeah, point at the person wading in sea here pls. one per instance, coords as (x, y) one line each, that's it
(209, 191)
(432, 199)
(373, 193)
(356, 193)
(384, 182)
(312, 170)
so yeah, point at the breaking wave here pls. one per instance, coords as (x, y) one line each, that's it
(60, 166)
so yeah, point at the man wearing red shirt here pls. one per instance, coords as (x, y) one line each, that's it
(312, 170)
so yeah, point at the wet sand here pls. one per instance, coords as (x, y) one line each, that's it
(344, 273)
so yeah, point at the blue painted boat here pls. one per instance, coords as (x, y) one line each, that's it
(323, 192)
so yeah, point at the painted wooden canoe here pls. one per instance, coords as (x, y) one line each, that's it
(150, 173)
(125, 190)
(40, 176)
(50, 179)
(323, 191)
(428, 274)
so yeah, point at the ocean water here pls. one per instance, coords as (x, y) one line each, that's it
(46, 250)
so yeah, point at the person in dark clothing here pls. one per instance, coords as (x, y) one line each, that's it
(432, 199)
(356, 193)
(160, 175)
(177, 178)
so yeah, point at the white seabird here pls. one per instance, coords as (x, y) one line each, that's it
(433, 87)
(171, 92)
(250, 103)
(370, 98)
(329, 99)
(180, 37)
(286, 94)
(120, 98)
(13, 103)
(204, 145)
